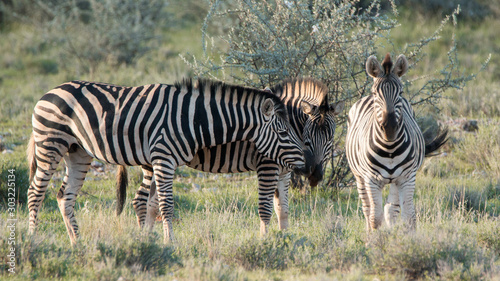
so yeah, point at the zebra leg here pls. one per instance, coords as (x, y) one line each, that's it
(46, 158)
(374, 193)
(391, 209)
(281, 200)
(164, 175)
(268, 181)
(406, 191)
(363, 195)
(77, 165)
(141, 197)
(152, 210)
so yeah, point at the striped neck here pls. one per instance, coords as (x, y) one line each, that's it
(293, 91)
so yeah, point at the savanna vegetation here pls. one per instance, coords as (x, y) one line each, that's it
(457, 198)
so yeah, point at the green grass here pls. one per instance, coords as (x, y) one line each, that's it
(217, 236)
(457, 197)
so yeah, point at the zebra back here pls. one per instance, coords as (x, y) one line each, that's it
(119, 124)
(311, 118)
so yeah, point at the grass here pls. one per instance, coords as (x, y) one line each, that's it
(457, 197)
(218, 238)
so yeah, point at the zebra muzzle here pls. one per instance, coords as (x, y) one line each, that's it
(316, 175)
(389, 125)
(309, 160)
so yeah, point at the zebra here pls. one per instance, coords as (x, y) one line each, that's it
(311, 117)
(384, 145)
(159, 125)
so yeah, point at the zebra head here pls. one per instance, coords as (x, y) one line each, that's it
(387, 89)
(277, 140)
(318, 133)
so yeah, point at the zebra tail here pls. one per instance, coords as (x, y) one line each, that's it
(30, 152)
(440, 139)
(121, 189)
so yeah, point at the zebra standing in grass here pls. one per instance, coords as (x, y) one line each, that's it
(384, 145)
(162, 126)
(310, 116)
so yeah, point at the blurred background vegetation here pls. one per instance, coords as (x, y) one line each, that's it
(257, 43)
(253, 43)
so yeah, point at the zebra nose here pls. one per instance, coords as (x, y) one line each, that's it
(389, 124)
(309, 161)
(300, 169)
(389, 119)
(316, 176)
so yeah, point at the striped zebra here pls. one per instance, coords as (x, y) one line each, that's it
(384, 145)
(158, 125)
(310, 116)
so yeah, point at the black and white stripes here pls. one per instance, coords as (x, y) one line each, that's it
(384, 145)
(311, 117)
(162, 126)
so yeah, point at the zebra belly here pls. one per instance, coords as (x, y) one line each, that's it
(234, 157)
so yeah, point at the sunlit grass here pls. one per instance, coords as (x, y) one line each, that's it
(217, 232)
(457, 197)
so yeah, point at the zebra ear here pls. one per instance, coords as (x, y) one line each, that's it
(373, 67)
(268, 90)
(337, 107)
(268, 108)
(401, 66)
(308, 108)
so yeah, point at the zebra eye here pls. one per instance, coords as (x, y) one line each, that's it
(307, 143)
(283, 133)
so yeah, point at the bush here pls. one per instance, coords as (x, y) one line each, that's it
(466, 199)
(265, 42)
(46, 66)
(473, 9)
(482, 148)
(92, 31)
(144, 255)
(451, 255)
(275, 252)
(21, 182)
(488, 237)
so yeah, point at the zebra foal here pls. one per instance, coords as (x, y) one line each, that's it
(384, 145)
(158, 125)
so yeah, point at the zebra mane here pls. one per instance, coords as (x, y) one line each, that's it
(387, 64)
(215, 85)
(307, 89)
